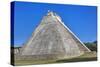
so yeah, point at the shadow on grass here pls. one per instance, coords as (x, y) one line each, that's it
(77, 60)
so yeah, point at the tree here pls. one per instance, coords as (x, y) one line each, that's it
(92, 45)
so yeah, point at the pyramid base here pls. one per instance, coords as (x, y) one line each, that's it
(45, 57)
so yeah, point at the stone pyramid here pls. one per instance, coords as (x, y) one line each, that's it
(53, 39)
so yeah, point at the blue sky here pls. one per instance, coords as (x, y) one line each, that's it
(82, 20)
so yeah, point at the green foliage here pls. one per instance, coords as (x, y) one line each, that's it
(92, 45)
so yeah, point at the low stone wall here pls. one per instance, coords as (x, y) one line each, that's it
(15, 50)
(37, 57)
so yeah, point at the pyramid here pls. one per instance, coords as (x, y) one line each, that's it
(53, 39)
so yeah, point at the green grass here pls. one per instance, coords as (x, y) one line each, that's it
(90, 56)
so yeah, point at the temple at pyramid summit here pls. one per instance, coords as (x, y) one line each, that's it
(52, 39)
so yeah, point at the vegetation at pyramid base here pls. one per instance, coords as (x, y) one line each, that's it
(92, 45)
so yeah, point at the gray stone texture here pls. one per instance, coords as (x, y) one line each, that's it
(52, 40)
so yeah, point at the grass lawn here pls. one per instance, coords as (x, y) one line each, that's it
(90, 56)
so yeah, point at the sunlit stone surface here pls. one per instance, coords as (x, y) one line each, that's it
(52, 40)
